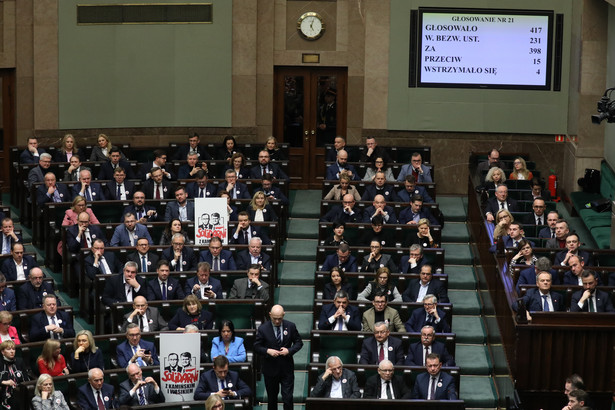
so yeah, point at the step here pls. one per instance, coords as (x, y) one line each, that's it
(473, 359)
(302, 228)
(305, 203)
(296, 273)
(458, 253)
(302, 357)
(299, 392)
(460, 277)
(300, 250)
(303, 320)
(465, 302)
(469, 329)
(478, 392)
(453, 208)
(455, 232)
(295, 298)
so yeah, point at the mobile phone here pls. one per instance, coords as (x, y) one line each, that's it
(147, 351)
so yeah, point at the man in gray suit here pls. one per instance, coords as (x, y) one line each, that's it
(137, 391)
(252, 288)
(148, 318)
(181, 208)
(336, 382)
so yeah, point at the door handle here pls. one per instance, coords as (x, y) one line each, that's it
(313, 132)
(306, 132)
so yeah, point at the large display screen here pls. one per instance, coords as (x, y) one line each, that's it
(484, 48)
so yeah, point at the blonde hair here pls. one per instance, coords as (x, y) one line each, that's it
(253, 205)
(47, 354)
(64, 139)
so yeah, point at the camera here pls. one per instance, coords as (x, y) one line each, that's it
(606, 108)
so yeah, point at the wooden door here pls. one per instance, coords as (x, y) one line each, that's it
(309, 111)
(7, 127)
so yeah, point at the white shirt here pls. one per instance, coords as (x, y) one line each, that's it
(383, 389)
(333, 320)
(336, 389)
(20, 272)
(422, 291)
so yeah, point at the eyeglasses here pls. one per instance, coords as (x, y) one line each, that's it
(386, 370)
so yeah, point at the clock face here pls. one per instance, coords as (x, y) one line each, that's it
(311, 26)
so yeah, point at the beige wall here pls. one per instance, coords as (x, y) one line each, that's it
(263, 37)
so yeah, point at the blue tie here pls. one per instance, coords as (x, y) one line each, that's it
(143, 264)
(545, 303)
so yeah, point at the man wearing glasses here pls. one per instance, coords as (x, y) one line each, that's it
(146, 260)
(385, 385)
(431, 316)
(381, 346)
(421, 172)
(347, 212)
(537, 217)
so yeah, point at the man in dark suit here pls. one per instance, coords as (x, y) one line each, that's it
(250, 288)
(412, 214)
(246, 231)
(411, 189)
(30, 294)
(501, 201)
(373, 150)
(528, 276)
(144, 213)
(574, 276)
(418, 352)
(379, 207)
(435, 384)
(91, 191)
(51, 191)
(108, 168)
(345, 381)
(394, 386)
(83, 231)
(32, 153)
(181, 208)
(425, 285)
(515, 235)
(8, 300)
(430, 315)
(542, 299)
(203, 285)
(128, 233)
(18, 266)
(8, 236)
(74, 168)
(572, 249)
(381, 346)
(265, 166)
(194, 146)
(147, 261)
(416, 168)
(272, 192)
(135, 350)
(96, 394)
(253, 255)
(37, 174)
(341, 165)
(221, 381)
(160, 161)
(561, 232)
(537, 191)
(124, 287)
(119, 188)
(157, 187)
(236, 190)
(340, 315)
(591, 299)
(537, 217)
(276, 342)
(415, 262)
(51, 323)
(147, 318)
(549, 230)
(164, 287)
(191, 167)
(101, 262)
(380, 187)
(200, 188)
(218, 258)
(342, 259)
(182, 258)
(136, 391)
(339, 143)
(347, 212)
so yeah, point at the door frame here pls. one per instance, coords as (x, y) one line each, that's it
(8, 124)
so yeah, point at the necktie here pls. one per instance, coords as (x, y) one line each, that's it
(139, 213)
(264, 170)
(139, 360)
(539, 221)
(552, 233)
(143, 264)
(101, 405)
(53, 334)
(591, 304)
(157, 191)
(119, 192)
(84, 240)
(278, 334)
(425, 356)
(502, 205)
(163, 289)
(56, 196)
(128, 293)
(388, 390)
(381, 354)
(545, 303)
(101, 266)
(216, 264)
(340, 323)
(88, 196)
(245, 237)
(432, 391)
(141, 322)
(201, 193)
(142, 401)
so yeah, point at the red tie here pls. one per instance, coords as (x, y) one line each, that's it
(157, 191)
(381, 355)
(101, 405)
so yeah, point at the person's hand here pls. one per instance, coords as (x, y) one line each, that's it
(65, 371)
(256, 281)
(51, 190)
(196, 288)
(82, 229)
(429, 234)
(490, 218)
(323, 126)
(71, 168)
(370, 151)
(97, 254)
(411, 222)
(133, 314)
(79, 350)
(177, 255)
(586, 295)
(194, 170)
(284, 351)
(412, 261)
(237, 230)
(327, 373)
(340, 312)
(58, 330)
(210, 294)
(568, 255)
(372, 256)
(229, 187)
(347, 208)
(45, 394)
(152, 381)
(273, 352)
(133, 282)
(84, 186)
(51, 328)
(32, 149)
(204, 166)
